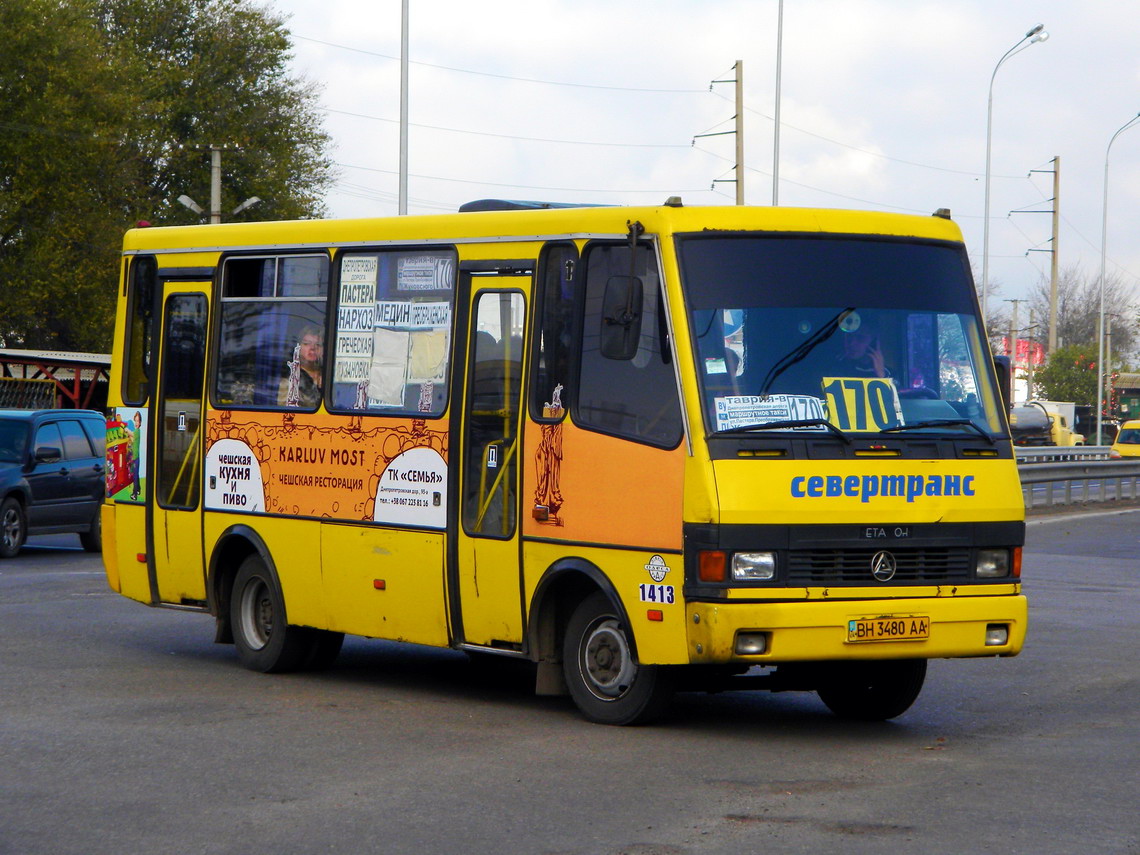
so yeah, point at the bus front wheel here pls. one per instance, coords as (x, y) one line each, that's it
(872, 691)
(605, 679)
(264, 641)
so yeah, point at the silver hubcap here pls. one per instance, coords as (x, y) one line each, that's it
(256, 613)
(607, 665)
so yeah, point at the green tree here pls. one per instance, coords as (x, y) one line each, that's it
(1070, 374)
(62, 186)
(108, 110)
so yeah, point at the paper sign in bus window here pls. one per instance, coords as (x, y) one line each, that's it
(862, 404)
(388, 376)
(736, 411)
(429, 355)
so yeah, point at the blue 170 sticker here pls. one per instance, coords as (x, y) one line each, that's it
(657, 594)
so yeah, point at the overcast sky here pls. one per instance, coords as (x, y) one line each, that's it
(883, 107)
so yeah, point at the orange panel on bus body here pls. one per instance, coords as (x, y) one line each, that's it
(587, 486)
(316, 465)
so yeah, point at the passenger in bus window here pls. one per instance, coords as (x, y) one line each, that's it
(302, 386)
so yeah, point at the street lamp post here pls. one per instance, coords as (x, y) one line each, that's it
(1103, 264)
(1037, 34)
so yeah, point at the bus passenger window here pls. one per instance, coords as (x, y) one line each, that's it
(271, 305)
(393, 332)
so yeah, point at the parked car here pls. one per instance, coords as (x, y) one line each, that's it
(1127, 442)
(51, 475)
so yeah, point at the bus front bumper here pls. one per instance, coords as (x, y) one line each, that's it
(912, 628)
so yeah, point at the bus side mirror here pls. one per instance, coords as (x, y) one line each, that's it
(622, 306)
(1004, 378)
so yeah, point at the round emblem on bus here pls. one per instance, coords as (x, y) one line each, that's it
(883, 566)
(657, 568)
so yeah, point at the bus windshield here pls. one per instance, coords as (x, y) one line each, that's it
(867, 335)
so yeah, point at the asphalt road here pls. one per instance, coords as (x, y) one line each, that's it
(125, 730)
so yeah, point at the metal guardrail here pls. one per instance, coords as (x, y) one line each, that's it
(1080, 482)
(1056, 454)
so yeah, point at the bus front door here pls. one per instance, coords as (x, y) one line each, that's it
(175, 525)
(487, 577)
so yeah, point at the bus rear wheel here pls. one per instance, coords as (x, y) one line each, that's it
(605, 679)
(264, 641)
(872, 691)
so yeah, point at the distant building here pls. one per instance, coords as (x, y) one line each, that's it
(1126, 396)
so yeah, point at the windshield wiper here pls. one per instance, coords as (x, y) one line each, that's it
(930, 423)
(803, 349)
(786, 423)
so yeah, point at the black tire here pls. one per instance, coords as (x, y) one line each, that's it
(872, 691)
(13, 528)
(603, 676)
(264, 640)
(92, 539)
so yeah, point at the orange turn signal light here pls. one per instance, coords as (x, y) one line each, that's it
(712, 566)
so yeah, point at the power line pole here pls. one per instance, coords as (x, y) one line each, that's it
(1053, 246)
(402, 204)
(215, 184)
(738, 79)
(776, 112)
(1013, 340)
(740, 132)
(1053, 266)
(1032, 354)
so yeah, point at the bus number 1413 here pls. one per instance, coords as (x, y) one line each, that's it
(657, 594)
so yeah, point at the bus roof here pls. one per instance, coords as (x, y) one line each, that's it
(534, 224)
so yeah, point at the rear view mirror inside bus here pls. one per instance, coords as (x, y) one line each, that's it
(621, 317)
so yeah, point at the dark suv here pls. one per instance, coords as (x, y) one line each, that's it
(51, 475)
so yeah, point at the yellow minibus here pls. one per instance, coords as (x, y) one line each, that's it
(646, 449)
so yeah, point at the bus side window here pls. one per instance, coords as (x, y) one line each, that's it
(269, 304)
(634, 398)
(391, 347)
(142, 282)
(555, 337)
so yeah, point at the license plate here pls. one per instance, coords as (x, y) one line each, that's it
(892, 628)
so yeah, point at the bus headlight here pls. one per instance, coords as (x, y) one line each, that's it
(753, 566)
(992, 564)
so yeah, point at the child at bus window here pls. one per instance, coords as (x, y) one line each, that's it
(302, 386)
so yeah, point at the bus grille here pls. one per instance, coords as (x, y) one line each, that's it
(834, 566)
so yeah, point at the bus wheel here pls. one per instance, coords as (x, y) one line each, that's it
(263, 640)
(604, 678)
(13, 528)
(872, 691)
